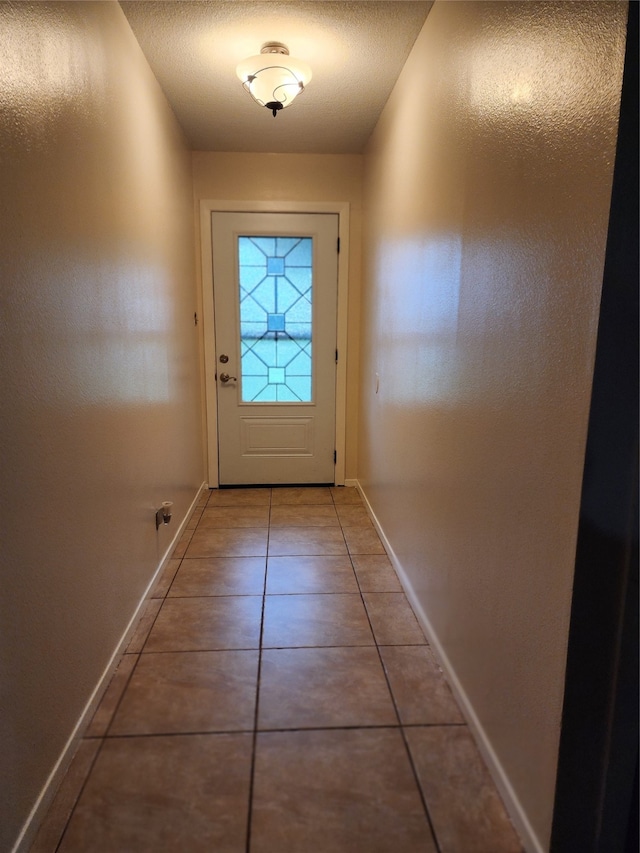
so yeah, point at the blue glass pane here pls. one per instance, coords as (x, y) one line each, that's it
(300, 386)
(300, 254)
(300, 365)
(252, 386)
(268, 394)
(284, 245)
(284, 394)
(250, 332)
(275, 323)
(264, 348)
(299, 313)
(253, 366)
(252, 276)
(250, 254)
(287, 295)
(300, 278)
(275, 266)
(287, 351)
(276, 318)
(263, 295)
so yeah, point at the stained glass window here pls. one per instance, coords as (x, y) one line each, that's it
(275, 318)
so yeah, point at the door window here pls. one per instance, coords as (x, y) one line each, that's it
(276, 278)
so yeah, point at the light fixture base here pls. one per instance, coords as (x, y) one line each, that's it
(275, 47)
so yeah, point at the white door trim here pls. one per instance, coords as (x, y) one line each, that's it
(207, 207)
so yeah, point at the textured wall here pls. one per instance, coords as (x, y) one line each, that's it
(100, 379)
(298, 177)
(487, 187)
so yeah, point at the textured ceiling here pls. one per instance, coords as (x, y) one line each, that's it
(355, 50)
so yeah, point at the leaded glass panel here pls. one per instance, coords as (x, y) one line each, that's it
(275, 318)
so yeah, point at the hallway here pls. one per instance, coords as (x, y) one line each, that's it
(278, 688)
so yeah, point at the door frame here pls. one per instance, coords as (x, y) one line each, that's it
(209, 206)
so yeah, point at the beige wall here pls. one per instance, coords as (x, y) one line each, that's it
(297, 177)
(99, 360)
(487, 187)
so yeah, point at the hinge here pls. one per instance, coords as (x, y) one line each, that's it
(335, 456)
(338, 246)
(336, 356)
(195, 318)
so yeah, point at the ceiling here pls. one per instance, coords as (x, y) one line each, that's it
(356, 51)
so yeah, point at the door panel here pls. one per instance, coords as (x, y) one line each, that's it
(275, 302)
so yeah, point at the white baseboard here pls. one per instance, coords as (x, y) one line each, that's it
(512, 804)
(50, 787)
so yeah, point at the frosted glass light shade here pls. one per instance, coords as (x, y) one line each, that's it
(273, 78)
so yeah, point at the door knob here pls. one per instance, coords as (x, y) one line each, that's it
(224, 378)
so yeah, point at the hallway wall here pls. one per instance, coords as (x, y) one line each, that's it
(99, 361)
(486, 196)
(297, 177)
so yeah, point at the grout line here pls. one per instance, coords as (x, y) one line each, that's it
(277, 648)
(401, 727)
(420, 791)
(276, 729)
(257, 707)
(119, 702)
(80, 793)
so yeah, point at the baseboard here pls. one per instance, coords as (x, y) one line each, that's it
(351, 483)
(50, 787)
(512, 804)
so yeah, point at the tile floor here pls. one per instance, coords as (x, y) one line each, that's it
(278, 696)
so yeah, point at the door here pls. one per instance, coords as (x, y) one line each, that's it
(275, 302)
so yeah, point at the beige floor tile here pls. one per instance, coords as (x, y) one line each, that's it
(206, 624)
(295, 575)
(151, 794)
(195, 517)
(225, 542)
(219, 576)
(301, 495)
(345, 495)
(284, 541)
(180, 692)
(182, 545)
(341, 791)
(239, 497)
(164, 582)
(421, 693)
(392, 619)
(52, 827)
(150, 611)
(315, 620)
(304, 516)
(353, 516)
(465, 808)
(363, 540)
(375, 573)
(234, 516)
(109, 702)
(320, 688)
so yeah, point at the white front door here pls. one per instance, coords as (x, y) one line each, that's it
(275, 302)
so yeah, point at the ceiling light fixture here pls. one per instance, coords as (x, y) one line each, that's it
(273, 78)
